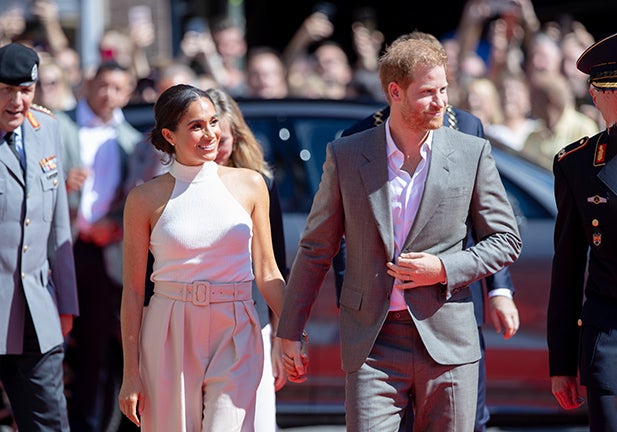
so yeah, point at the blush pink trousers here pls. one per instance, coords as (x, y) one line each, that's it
(201, 358)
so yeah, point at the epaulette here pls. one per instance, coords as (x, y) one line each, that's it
(43, 110)
(451, 120)
(571, 148)
(378, 118)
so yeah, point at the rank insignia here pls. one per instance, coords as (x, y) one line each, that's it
(597, 238)
(597, 199)
(600, 154)
(49, 164)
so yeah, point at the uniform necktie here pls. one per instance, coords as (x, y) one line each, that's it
(10, 140)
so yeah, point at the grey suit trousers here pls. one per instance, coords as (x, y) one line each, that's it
(399, 373)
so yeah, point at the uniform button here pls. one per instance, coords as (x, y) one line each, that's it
(579, 322)
(55, 182)
(23, 275)
(27, 221)
(25, 248)
(595, 222)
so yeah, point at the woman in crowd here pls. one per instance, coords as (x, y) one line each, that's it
(195, 359)
(238, 147)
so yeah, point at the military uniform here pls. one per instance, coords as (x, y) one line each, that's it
(582, 310)
(37, 274)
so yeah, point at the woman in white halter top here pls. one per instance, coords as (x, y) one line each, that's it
(194, 358)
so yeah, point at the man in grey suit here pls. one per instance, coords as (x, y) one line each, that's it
(98, 144)
(38, 295)
(401, 193)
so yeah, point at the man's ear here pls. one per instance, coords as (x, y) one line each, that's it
(394, 90)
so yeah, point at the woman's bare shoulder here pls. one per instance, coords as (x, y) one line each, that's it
(152, 193)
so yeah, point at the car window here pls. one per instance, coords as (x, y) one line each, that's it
(296, 148)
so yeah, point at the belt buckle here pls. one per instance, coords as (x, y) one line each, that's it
(201, 293)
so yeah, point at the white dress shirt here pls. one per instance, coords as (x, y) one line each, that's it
(100, 155)
(405, 195)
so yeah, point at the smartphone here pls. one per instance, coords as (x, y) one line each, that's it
(197, 25)
(367, 16)
(326, 8)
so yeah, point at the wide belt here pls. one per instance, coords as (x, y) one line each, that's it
(202, 293)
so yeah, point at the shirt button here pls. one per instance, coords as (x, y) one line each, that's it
(25, 248)
(27, 221)
(579, 322)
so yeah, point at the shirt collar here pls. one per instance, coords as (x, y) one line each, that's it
(86, 117)
(395, 155)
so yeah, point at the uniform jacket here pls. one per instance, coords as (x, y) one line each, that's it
(353, 199)
(585, 241)
(36, 255)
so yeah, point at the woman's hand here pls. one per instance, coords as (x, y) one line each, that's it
(131, 399)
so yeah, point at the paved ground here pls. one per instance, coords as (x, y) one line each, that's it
(492, 429)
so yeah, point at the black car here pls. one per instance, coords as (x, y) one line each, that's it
(294, 134)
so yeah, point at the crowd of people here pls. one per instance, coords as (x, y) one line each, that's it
(515, 74)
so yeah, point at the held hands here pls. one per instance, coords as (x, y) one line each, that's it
(416, 269)
(278, 369)
(295, 359)
(566, 391)
(131, 398)
(504, 315)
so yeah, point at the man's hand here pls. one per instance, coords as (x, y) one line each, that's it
(504, 315)
(565, 389)
(76, 178)
(294, 360)
(416, 269)
(105, 231)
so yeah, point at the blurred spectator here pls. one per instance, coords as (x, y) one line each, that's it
(481, 98)
(296, 56)
(266, 76)
(544, 55)
(516, 108)
(53, 89)
(239, 148)
(172, 74)
(12, 22)
(229, 39)
(70, 61)
(328, 75)
(553, 105)
(128, 48)
(573, 44)
(367, 43)
(46, 12)
(198, 51)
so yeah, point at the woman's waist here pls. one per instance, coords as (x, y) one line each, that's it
(204, 292)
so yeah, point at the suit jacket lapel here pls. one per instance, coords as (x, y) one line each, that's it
(374, 176)
(436, 183)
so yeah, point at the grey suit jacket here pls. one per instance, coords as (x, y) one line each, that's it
(353, 199)
(36, 255)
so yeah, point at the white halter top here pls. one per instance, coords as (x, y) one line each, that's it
(204, 233)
